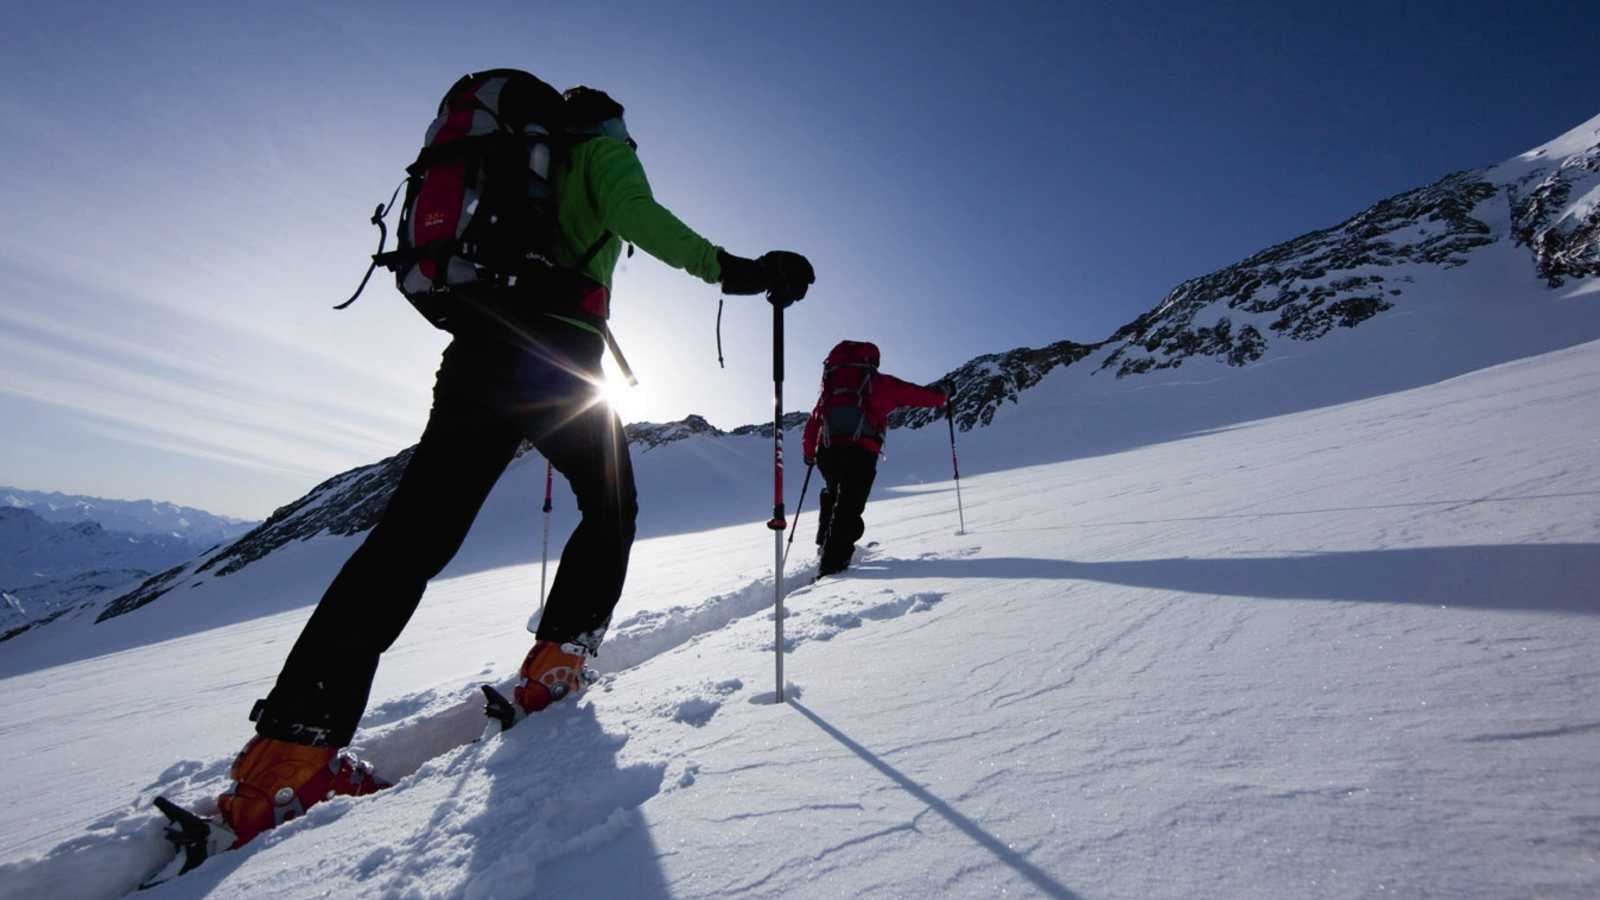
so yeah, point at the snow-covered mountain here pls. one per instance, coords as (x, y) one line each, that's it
(67, 554)
(1546, 200)
(48, 568)
(130, 516)
(1311, 618)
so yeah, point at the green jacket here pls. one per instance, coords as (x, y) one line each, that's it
(604, 188)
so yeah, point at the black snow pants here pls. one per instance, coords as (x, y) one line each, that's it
(848, 472)
(489, 396)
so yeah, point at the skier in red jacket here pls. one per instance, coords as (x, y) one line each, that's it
(849, 423)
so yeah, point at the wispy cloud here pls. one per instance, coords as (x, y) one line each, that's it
(132, 279)
(105, 414)
(266, 435)
(75, 344)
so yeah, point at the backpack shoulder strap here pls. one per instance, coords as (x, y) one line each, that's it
(593, 251)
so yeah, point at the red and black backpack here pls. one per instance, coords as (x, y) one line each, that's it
(479, 216)
(847, 376)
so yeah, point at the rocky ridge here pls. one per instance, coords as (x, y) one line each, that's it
(1555, 212)
(1304, 288)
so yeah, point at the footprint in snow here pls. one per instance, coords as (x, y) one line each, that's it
(958, 553)
(180, 769)
(824, 625)
(697, 710)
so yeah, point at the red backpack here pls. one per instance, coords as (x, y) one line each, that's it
(479, 215)
(847, 377)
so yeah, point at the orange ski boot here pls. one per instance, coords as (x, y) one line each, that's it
(275, 781)
(550, 673)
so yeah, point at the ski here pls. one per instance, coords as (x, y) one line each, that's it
(196, 838)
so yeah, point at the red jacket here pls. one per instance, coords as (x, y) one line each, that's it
(883, 396)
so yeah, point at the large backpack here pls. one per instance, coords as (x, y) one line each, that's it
(847, 377)
(479, 216)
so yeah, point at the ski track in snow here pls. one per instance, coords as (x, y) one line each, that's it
(440, 732)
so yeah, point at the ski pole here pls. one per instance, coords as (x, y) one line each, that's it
(544, 555)
(950, 417)
(796, 527)
(622, 361)
(777, 523)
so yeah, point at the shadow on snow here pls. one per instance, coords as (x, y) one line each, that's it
(1036, 876)
(1530, 577)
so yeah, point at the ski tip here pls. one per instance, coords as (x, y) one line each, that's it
(179, 816)
(498, 708)
(195, 838)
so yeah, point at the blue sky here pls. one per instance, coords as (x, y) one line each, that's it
(187, 189)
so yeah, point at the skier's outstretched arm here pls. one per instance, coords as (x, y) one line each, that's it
(622, 197)
(627, 207)
(904, 393)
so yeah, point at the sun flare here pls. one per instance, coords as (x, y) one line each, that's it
(627, 400)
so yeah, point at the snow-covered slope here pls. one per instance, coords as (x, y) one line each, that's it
(1317, 625)
(1345, 652)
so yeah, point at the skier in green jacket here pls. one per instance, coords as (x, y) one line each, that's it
(527, 376)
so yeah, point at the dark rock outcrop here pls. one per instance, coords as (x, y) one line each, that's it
(1317, 282)
(349, 503)
(987, 382)
(1565, 240)
(649, 435)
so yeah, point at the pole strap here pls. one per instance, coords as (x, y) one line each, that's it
(720, 363)
(378, 215)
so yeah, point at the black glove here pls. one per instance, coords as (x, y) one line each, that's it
(788, 276)
(783, 276)
(740, 275)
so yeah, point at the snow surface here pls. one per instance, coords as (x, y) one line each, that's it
(1343, 652)
(1323, 626)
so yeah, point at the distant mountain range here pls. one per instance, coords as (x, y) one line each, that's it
(58, 551)
(131, 516)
